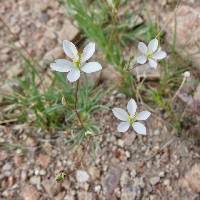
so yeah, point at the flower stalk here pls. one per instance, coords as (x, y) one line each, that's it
(75, 104)
(186, 75)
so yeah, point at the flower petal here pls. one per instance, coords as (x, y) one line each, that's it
(131, 107)
(123, 127)
(139, 128)
(70, 49)
(120, 114)
(73, 75)
(142, 47)
(91, 67)
(143, 115)
(152, 63)
(61, 65)
(141, 59)
(88, 51)
(153, 45)
(159, 55)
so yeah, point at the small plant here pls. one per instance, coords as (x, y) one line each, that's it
(52, 107)
(74, 70)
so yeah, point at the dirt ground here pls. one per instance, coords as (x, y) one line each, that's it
(160, 166)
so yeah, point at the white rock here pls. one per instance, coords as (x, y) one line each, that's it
(69, 197)
(166, 182)
(120, 143)
(124, 178)
(6, 167)
(36, 172)
(97, 188)
(157, 132)
(35, 180)
(42, 172)
(133, 173)
(162, 174)
(128, 154)
(82, 176)
(155, 180)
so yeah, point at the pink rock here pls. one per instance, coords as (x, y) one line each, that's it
(187, 31)
(18, 160)
(192, 179)
(11, 181)
(51, 187)
(43, 160)
(29, 192)
(111, 181)
(60, 196)
(31, 142)
(3, 155)
(68, 31)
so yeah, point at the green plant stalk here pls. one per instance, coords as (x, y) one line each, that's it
(75, 104)
(179, 89)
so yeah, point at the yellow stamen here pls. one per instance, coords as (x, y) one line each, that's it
(131, 120)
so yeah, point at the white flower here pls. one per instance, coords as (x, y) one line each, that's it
(130, 118)
(78, 63)
(151, 53)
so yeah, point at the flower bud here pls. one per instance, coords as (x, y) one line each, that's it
(89, 133)
(186, 74)
(63, 101)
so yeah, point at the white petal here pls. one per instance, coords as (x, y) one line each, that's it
(123, 127)
(120, 114)
(153, 45)
(70, 49)
(141, 59)
(61, 65)
(131, 107)
(159, 55)
(73, 75)
(91, 67)
(143, 115)
(152, 63)
(88, 51)
(139, 128)
(142, 47)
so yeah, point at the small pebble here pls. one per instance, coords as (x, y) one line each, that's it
(42, 172)
(162, 174)
(166, 182)
(154, 180)
(82, 176)
(97, 188)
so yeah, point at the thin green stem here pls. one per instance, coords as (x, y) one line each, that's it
(179, 89)
(75, 104)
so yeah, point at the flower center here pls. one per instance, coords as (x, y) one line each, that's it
(149, 54)
(131, 120)
(77, 62)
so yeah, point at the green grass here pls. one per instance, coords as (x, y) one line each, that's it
(52, 107)
(160, 95)
(102, 24)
